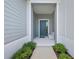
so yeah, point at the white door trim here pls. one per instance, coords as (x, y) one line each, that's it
(39, 26)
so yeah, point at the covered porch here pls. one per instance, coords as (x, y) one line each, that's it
(43, 23)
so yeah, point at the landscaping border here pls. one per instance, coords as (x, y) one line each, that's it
(58, 53)
(25, 52)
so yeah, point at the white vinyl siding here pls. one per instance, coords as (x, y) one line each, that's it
(66, 24)
(15, 20)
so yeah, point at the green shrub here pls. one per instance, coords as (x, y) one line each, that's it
(64, 56)
(23, 53)
(17, 55)
(31, 44)
(26, 53)
(59, 48)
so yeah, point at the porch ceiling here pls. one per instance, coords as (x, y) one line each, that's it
(44, 8)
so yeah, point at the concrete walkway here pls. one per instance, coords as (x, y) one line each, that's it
(44, 41)
(43, 52)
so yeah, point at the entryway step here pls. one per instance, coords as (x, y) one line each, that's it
(43, 52)
(44, 42)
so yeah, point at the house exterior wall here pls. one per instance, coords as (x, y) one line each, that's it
(15, 26)
(51, 24)
(66, 24)
(12, 47)
(35, 23)
(15, 20)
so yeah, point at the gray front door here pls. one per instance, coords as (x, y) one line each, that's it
(43, 28)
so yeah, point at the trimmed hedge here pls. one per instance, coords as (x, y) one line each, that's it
(61, 51)
(25, 52)
(31, 45)
(59, 48)
(64, 56)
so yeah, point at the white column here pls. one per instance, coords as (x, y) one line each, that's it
(28, 18)
(57, 20)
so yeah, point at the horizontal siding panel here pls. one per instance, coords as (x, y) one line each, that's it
(14, 20)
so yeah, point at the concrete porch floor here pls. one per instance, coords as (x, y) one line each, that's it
(43, 52)
(44, 41)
